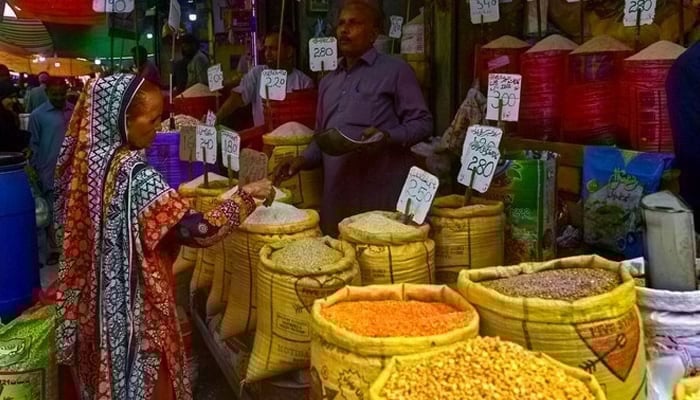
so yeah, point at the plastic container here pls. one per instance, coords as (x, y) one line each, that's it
(19, 265)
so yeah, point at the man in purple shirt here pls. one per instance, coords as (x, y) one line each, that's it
(369, 94)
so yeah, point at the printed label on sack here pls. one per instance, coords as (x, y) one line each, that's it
(498, 62)
(645, 9)
(310, 289)
(480, 157)
(25, 385)
(289, 328)
(420, 188)
(273, 84)
(504, 94)
(323, 54)
(484, 11)
(12, 351)
(615, 344)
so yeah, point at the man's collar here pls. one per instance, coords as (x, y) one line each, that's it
(67, 107)
(368, 58)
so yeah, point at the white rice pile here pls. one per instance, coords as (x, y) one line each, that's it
(661, 50)
(553, 43)
(276, 214)
(291, 129)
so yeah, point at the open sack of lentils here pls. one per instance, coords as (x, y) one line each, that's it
(581, 311)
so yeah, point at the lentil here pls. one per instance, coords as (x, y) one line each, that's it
(377, 223)
(306, 256)
(484, 368)
(391, 318)
(276, 214)
(558, 284)
(693, 396)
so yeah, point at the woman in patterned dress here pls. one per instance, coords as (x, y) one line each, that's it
(120, 226)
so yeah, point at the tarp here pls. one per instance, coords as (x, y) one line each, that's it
(66, 66)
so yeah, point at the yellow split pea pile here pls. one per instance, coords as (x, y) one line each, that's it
(487, 369)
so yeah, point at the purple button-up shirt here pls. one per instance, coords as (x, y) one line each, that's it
(379, 91)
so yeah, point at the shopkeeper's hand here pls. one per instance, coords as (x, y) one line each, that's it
(376, 143)
(260, 189)
(289, 168)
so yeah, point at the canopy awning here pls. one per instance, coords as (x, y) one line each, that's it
(77, 12)
(26, 36)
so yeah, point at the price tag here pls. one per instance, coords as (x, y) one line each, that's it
(210, 119)
(396, 25)
(480, 156)
(253, 166)
(215, 77)
(113, 6)
(504, 87)
(174, 15)
(230, 146)
(206, 139)
(647, 7)
(486, 8)
(187, 143)
(420, 187)
(274, 83)
(323, 54)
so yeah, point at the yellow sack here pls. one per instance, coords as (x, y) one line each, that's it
(243, 249)
(344, 364)
(221, 260)
(206, 200)
(284, 299)
(686, 388)
(466, 237)
(391, 256)
(407, 361)
(307, 186)
(600, 334)
(187, 257)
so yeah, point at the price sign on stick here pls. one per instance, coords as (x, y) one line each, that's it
(210, 120)
(420, 188)
(633, 7)
(230, 147)
(480, 156)
(323, 54)
(187, 143)
(113, 6)
(205, 143)
(215, 76)
(396, 25)
(273, 82)
(484, 11)
(174, 15)
(504, 87)
(253, 166)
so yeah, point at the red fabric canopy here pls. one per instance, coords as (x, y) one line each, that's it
(75, 12)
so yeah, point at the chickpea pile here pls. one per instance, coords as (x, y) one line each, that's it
(487, 369)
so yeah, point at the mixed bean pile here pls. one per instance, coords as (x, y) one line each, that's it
(377, 223)
(306, 256)
(391, 318)
(558, 284)
(484, 368)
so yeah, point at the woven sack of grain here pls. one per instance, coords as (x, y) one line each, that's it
(285, 143)
(671, 324)
(266, 225)
(388, 250)
(688, 389)
(466, 236)
(291, 276)
(480, 367)
(28, 366)
(344, 364)
(221, 260)
(206, 199)
(580, 311)
(187, 257)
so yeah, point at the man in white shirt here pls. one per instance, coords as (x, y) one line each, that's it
(248, 91)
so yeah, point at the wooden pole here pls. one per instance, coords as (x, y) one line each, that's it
(638, 34)
(204, 162)
(279, 34)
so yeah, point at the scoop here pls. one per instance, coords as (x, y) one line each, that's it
(333, 142)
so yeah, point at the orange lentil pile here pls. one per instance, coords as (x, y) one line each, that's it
(391, 318)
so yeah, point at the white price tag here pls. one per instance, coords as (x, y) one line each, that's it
(273, 84)
(488, 9)
(420, 188)
(632, 7)
(174, 15)
(230, 146)
(113, 6)
(505, 87)
(480, 157)
(187, 143)
(215, 76)
(396, 25)
(323, 54)
(210, 119)
(206, 140)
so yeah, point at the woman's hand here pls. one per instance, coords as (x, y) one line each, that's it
(260, 189)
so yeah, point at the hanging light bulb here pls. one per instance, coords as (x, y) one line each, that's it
(149, 35)
(42, 58)
(98, 61)
(193, 17)
(57, 64)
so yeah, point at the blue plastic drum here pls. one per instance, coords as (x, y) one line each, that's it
(19, 267)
